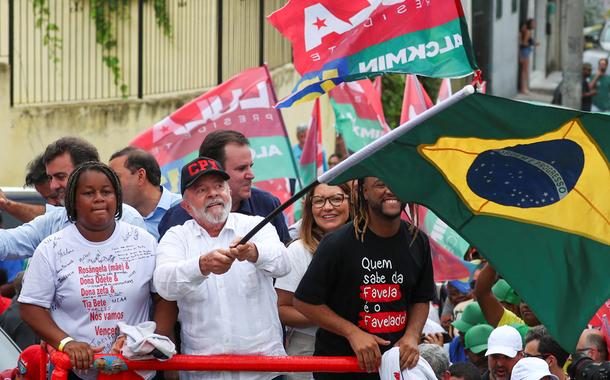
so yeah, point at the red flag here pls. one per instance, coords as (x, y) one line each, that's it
(415, 100)
(376, 103)
(606, 331)
(444, 92)
(239, 103)
(596, 321)
(312, 159)
(341, 41)
(377, 84)
(358, 112)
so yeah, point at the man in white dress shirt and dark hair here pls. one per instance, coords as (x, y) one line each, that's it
(224, 291)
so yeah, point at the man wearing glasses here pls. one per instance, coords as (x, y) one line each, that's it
(547, 349)
(369, 284)
(592, 344)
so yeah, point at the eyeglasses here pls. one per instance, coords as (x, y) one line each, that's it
(334, 200)
(584, 350)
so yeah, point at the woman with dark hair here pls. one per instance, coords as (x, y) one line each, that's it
(91, 275)
(526, 47)
(326, 208)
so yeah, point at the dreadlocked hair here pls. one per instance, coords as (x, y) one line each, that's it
(360, 212)
(359, 209)
(70, 202)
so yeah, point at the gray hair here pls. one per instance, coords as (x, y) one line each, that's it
(535, 333)
(436, 356)
(302, 128)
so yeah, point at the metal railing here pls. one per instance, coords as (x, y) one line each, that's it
(341, 364)
(211, 41)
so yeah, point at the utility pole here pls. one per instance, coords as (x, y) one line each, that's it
(572, 21)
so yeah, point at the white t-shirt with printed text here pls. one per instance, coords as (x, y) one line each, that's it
(91, 286)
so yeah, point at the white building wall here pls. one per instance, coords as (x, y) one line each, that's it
(505, 49)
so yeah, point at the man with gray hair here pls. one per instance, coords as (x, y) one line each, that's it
(436, 356)
(297, 149)
(224, 290)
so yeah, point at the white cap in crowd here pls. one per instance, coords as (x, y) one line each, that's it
(504, 340)
(531, 369)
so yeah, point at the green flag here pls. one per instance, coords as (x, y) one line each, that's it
(528, 185)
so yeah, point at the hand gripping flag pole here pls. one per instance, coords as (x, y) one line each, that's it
(362, 154)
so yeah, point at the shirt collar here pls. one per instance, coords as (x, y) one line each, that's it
(165, 202)
(229, 225)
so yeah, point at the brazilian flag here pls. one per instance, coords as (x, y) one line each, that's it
(528, 185)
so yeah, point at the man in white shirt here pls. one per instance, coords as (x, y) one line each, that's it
(225, 295)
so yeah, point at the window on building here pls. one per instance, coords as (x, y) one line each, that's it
(514, 6)
(498, 9)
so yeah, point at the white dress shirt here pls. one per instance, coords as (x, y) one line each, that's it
(233, 313)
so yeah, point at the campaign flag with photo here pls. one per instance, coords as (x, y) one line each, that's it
(525, 184)
(243, 103)
(358, 113)
(444, 91)
(340, 41)
(312, 159)
(415, 99)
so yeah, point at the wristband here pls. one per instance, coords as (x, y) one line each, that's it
(63, 343)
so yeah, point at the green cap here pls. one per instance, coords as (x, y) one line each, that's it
(476, 338)
(522, 328)
(471, 316)
(504, 293)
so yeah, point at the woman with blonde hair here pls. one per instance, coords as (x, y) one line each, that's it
(325, 209)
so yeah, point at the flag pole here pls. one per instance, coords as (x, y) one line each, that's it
(393, 135)
(277, 210)
(363, 153)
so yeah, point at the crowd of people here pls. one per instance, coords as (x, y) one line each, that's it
(113, 248)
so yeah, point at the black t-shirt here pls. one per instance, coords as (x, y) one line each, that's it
(369, 283)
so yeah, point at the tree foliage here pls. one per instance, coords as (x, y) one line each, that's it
(392, 95)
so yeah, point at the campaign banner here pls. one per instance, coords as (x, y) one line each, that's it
(243, 103)
(341, 41)
(358, 113)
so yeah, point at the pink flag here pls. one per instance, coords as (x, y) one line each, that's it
(237, 104)
(415, 100)
(444, 92)
(358, 112)
(377, 84)
(374, 96)
(312, 159)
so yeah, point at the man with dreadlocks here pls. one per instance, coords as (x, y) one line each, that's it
(369, 284)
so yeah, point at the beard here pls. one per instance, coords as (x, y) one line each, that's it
(201, 214)
(388, 213)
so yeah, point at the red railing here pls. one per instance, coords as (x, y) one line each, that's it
(62, 364)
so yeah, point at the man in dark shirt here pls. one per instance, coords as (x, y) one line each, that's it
(369, 284)
(232, 150)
